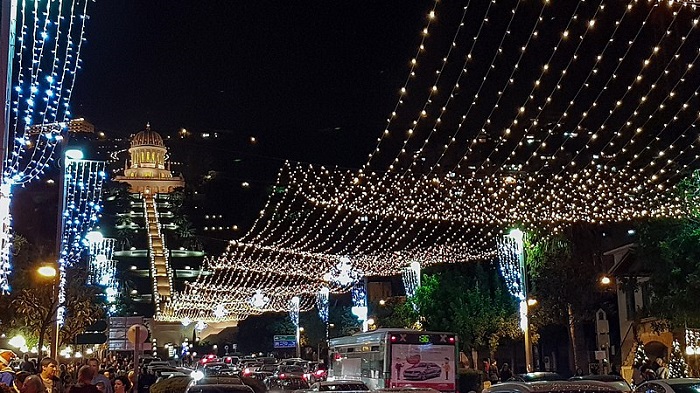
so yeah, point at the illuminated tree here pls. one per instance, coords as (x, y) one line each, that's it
(677, 367)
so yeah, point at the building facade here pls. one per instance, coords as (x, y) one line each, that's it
(149, 170)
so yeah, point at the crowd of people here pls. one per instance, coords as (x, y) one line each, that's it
(79, 376)
(649, 371)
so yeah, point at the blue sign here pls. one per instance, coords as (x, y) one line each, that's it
(285, 341)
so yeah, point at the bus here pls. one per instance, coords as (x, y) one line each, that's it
(395, 358)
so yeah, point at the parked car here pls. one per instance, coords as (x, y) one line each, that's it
(537, 376)
(676, 385)
(614, 380)
(422, 371)
(552, 387)
(406, 389)
(339, 386)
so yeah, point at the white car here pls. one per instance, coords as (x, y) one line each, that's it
(552, 387)
(677, 385)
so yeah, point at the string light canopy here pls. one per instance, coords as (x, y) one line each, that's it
(45, 60)
(543, 115)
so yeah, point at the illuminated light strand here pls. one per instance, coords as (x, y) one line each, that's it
(42, 82)
(630, 87)
(438, 76)
(83, 192)
(500, 92)
(497, 52)
(411, 73)
(657, 109)
(601, 91)
(584, 83)
(453, 139)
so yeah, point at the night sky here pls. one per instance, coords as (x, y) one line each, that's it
(313, 80)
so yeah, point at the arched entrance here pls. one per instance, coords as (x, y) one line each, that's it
(656, 349)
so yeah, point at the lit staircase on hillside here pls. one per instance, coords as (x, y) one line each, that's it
(160, 265)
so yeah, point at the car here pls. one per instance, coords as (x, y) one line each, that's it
(292, 370)
(316, 372)
(215, 369)
(407, 389)
(220, 388)
(284, 382)
(339, 386)
(422, 371)
(675, 385)
(538, 376)
(219, 380)
(551, 387)
(264, 371)
(613, 380)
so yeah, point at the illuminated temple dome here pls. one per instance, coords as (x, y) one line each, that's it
(149, 171)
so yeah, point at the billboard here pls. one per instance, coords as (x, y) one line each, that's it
(423, 365)
(285, 341)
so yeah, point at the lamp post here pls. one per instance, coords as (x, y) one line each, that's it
(517, 235)
(49, 272)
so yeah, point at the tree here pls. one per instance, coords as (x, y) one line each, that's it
(397, 312)
(564, 271)
(36, 307)
(669, 255)
(677, 367)
(471, 301)
(640, 356)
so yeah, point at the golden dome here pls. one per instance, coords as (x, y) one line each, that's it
(147, 137)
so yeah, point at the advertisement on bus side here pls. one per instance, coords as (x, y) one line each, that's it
(425, 366)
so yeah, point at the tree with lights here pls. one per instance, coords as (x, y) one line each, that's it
(677, 367)
(640, 356)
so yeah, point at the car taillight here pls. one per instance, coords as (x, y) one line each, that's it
(319, 372)
(247, 372)
(283, 376)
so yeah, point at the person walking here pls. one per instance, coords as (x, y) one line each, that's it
(99, 377)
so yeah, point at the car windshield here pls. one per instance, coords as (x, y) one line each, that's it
(342, 387)
(686, 387)
(268, 367)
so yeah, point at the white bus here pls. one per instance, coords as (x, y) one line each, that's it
(394, 358)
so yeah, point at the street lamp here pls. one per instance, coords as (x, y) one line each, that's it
(47, 271)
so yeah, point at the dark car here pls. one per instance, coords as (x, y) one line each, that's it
(422, 371)
(537, 376)
(264, 371)
(292, 370)
(219, 388)
(284, 382)
(339, 386)
(216, 369)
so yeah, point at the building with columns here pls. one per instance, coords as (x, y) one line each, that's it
(149, 171)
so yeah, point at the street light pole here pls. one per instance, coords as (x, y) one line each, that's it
(517, 235)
